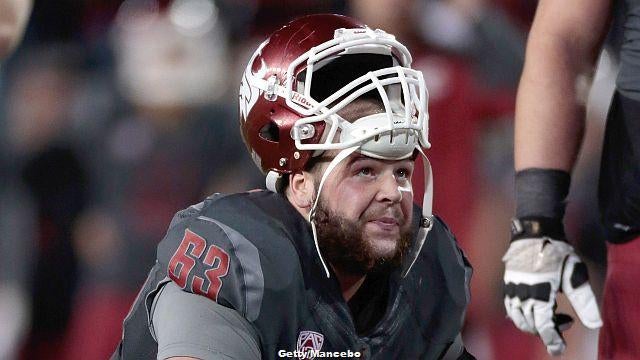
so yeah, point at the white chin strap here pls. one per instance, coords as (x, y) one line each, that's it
(336, 160)
(426, 223)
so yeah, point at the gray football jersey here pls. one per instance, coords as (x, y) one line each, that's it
(254, 254)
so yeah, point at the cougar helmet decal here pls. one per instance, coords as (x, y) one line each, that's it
(248, 94)
(246, 99)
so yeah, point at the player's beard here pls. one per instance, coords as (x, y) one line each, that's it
(343, 245)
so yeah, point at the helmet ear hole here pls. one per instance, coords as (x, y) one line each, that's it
(270, 132)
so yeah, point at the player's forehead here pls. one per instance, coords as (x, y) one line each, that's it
(358, 157)
(361, 158)
(361, 108)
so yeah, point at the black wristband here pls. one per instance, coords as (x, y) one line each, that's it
(535, 227)
(541, 193)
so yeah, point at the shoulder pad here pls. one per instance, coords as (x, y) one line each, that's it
(439, 284)
(452, 261)
(218, 249)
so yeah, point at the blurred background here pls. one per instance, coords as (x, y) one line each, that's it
(116, 114)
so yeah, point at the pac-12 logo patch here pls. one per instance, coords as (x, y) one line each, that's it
(310, 342)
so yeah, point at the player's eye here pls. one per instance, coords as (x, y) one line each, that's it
(403, 173)
(366, 171)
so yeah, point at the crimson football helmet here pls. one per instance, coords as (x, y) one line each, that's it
(284, 124)
(298, 80)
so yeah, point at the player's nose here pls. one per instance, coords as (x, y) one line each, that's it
(389, 189)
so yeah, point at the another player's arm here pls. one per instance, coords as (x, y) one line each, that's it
(13, 20)
(562, 48)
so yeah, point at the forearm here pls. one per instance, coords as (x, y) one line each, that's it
(549, 116)
(13, 19)
(552, 93)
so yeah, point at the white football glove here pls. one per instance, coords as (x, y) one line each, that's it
(535, 270)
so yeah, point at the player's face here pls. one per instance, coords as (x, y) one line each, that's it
(365, 211)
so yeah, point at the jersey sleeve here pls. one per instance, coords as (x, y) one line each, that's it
(203, 256)
(186, 324)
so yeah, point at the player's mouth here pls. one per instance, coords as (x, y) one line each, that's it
(385, 223)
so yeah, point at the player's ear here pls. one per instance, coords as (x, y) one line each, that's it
(301, 190)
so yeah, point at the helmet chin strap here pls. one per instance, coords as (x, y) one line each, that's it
(426, 222)
(272, 180)
(341, 156)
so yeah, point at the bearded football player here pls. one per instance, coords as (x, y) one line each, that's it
(333, 259)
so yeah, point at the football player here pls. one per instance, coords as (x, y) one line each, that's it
(333, 259)
(563, 46)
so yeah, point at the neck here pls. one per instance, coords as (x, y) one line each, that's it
(349, 284)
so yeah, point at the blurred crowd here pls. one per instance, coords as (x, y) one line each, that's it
(116, 114)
